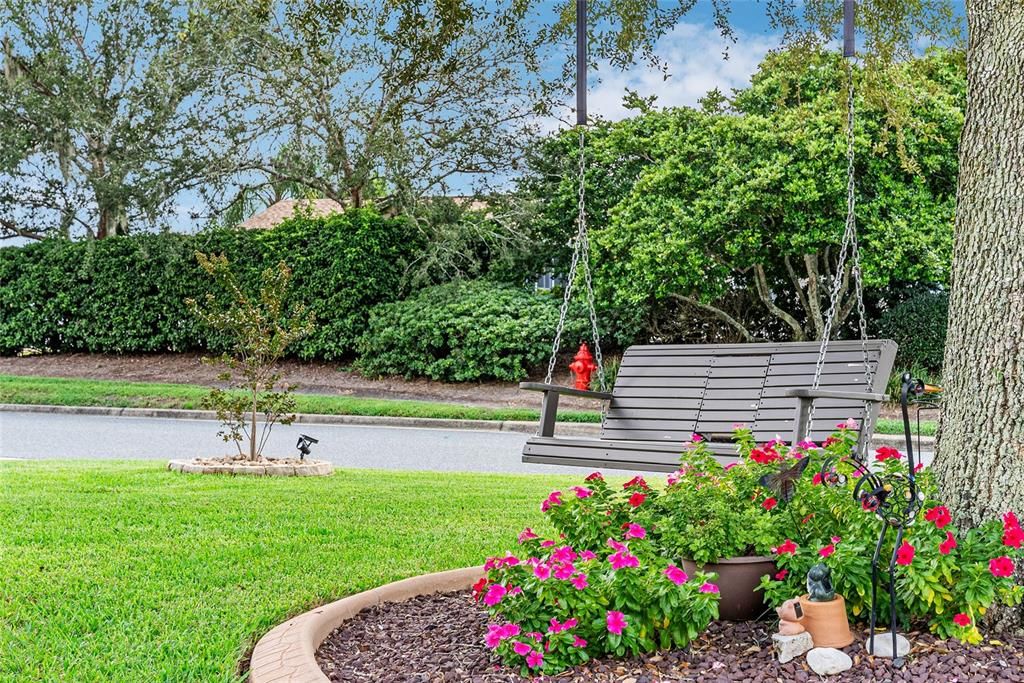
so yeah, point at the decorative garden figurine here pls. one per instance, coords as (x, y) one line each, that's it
(790, 614)
(824, 611)
(819, 583)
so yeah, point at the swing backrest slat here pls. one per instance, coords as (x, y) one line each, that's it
(666, 392)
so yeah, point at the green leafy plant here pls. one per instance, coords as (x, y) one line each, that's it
(602, 589)
(918, 325)
(462, 331)
(261, 328)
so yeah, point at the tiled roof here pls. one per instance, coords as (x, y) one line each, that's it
(286, 208)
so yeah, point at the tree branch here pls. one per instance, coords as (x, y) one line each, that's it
(814, 294)
(718, 313)
(766, 298)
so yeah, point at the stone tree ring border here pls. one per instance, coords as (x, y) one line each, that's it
(312, 468)
(287, 654)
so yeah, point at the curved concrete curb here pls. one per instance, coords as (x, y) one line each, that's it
(287, 654)
(313, 468)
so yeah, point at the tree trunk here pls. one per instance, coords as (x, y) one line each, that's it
(980, 463)
(252, 429)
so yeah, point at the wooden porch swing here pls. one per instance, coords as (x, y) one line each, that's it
(665, 393)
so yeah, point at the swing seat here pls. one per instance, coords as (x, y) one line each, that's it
(665, 393)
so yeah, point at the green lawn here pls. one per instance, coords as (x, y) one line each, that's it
(82, 392)
(126, 572)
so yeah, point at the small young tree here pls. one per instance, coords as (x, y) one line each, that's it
(260, 330)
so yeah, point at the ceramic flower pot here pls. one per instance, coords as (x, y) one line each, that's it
(826, 622)
(738, 578)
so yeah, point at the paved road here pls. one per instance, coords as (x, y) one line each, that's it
(41, 435)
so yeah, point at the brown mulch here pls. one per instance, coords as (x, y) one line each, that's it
(440, 639)
(314, 377)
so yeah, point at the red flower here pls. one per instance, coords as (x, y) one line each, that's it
(905, 554)
(637, 499)
(787, 548)
(1001, 567)
(829, 441)
(1013, 536)
(887, 453)
(635, 482)
(947, 546)
(807, 518)
(781, 575)
(827, 550)
(478, 588)
(962, 620)
(594, 476)
(816, 479)
(769, 503)
(940, 515)
(764, 456)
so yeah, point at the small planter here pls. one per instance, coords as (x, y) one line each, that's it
(826, 622)
(738, 579)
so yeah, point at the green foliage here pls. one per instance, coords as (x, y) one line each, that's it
(603, 589)
(465, 331)
(918, 325)
(735, 214)
(260, 327)
(127, 295)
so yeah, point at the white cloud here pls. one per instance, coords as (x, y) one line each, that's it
(694, 54)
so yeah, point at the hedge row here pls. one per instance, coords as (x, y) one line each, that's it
(918, 325)
(126, 294)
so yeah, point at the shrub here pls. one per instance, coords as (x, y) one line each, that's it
(627, 546)
(567, 602)
(466, 330)
(918, 325)
(127, 294)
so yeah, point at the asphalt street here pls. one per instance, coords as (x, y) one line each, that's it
(41, 435)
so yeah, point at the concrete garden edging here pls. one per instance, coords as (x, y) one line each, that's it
(313, 468)
(287, 653)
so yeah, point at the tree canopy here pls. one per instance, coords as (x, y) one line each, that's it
(736, 210)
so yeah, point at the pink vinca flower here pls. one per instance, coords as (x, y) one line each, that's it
(676, 575)
(578, 642)
(542, 572)
(553, 500)
(527, 535)
(564, 571)
(546, 544)
(635, 531)
(587, 555)
(709, 588)
(623, 559)
(564, 553)
(582, 491)
(535, 660)
(827, 551)
(579, 581)
(616, 622)
(494, 594)
(615, 545)
(522, 649)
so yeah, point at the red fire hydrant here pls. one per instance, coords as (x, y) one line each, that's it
(583, 367)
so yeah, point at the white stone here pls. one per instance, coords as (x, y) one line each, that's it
(826, 661)
(791, 647)
(883, 645)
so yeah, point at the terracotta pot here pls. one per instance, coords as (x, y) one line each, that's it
(826, 622)
(738, 578)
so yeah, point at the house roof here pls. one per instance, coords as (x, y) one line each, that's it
(286, 208)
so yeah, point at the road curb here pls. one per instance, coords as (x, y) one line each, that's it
(520, 427)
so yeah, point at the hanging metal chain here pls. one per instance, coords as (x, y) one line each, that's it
(849, 249)
(580, 255)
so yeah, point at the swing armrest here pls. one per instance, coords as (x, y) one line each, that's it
(811, 394)
(568, 391)
(549, 404)
(805, 397)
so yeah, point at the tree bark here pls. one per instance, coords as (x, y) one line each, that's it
(980, 462)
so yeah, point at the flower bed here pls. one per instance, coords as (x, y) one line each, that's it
(611, 582)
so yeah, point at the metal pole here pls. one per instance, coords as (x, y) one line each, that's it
(581, 62)
(849, 39)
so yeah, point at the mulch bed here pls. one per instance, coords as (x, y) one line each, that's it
(440, 638)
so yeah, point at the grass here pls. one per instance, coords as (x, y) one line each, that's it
(86, 392)
(127, 572)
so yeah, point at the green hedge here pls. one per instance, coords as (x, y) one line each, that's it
(126, 294)
(918, 325)
(466, 330)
